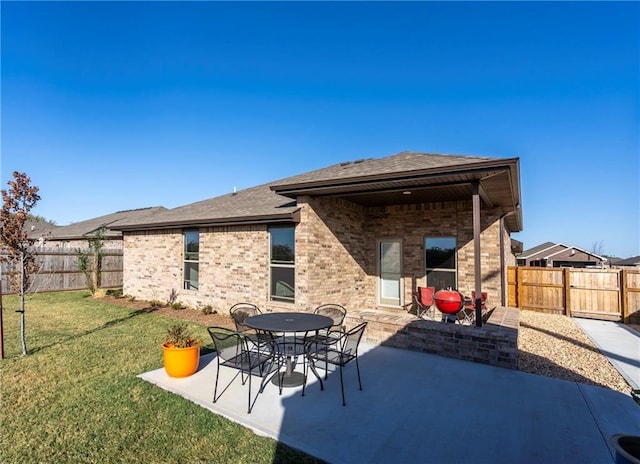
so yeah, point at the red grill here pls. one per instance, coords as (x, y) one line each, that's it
(448, 301)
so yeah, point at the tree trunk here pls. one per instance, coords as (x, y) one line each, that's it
(22, 321)
(1, 326)
(94, 276)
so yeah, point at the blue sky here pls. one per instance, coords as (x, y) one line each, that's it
(120, 105)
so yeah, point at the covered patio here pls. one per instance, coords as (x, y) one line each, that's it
(420, 407)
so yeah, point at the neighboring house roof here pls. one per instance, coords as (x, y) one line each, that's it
(567, 248)
(536, 249)
(37, 229)
(548, 250)
(633, 261)
(372, 181)
(82, 229)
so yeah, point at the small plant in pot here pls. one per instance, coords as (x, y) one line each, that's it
(180, 351)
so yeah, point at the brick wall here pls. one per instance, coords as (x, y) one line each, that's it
(495, 343)
(340, 240)
(331, 261)
(152, 264)
(336, 256)
(233, 266)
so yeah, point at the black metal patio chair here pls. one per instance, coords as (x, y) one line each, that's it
(238, 351)
(335, 312)
(241, 311)
(330, 335)
(338, 353)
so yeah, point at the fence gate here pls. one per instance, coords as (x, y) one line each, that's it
(606, 294)
(594, 293)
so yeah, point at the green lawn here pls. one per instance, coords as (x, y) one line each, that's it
(76, 397)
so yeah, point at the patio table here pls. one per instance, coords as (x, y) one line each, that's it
(290, 323)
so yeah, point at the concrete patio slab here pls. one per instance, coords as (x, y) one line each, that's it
(419, 407)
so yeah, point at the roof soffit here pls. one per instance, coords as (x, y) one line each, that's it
(498, 180)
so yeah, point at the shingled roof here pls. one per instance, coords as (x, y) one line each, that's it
(430, 177)
(393, 166)
(82, 229)
(537, 249)
(253, 205)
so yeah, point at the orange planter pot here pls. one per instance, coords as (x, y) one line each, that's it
(180, 362)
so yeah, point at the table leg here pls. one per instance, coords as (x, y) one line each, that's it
(289, 378)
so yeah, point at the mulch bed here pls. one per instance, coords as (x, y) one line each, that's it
(185, 314)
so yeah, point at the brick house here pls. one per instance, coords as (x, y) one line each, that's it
(362, 234)
(75, 235)
(551, 254)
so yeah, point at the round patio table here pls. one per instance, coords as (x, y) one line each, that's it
(289, 323)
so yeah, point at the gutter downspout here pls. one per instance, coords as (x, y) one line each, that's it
(504, 284)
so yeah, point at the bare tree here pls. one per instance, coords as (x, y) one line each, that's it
(90, 262)
(17, 201)
(598, 248)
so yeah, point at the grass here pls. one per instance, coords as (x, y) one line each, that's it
(76, 397)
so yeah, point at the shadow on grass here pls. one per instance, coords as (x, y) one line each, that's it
(106, 325)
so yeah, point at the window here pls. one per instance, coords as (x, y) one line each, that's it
(282, 263)
(191, 258)
(440, 262)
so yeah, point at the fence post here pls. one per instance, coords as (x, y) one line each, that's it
(567, 291)
(518, 287)
(624, 296)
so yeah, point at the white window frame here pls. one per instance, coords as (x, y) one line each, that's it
(188, 284)
(454, 271)
(281, 265)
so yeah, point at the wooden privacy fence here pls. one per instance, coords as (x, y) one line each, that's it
(59, 270)
(607, 294)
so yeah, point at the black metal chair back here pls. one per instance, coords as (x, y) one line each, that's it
(340, 353)
(335, 312)
(241, 311)
(237, 351)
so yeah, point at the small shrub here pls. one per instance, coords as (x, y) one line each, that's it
(132, 298)
(208, 310)
(115, 292)
(156, 303)
(179, 336)
(177, 305)
(173, 297)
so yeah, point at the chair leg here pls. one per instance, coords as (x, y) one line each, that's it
(215, 388)
(326, 364)
(310, 364)
(315, 372)
(249, 405)
(358, 370)
(305, 369)
(342, 386)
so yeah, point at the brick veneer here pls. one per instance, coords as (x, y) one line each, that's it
(336, 244)
(495, 343)
(336, 256)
